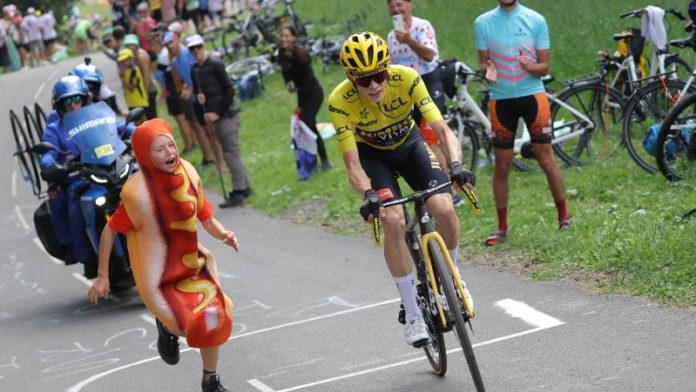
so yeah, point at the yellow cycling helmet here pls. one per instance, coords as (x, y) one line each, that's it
(364, 53)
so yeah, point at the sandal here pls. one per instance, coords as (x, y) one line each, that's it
(564, 223)
(495, 237)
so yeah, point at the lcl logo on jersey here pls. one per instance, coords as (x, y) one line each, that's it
(393, 105)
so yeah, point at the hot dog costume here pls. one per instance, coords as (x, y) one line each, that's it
(176, 277)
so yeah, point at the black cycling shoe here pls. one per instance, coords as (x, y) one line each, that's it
(213, 384)
(167, 345)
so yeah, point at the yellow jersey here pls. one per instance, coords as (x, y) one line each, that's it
(386, 125)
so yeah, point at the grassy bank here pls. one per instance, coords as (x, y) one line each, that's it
(627, 236)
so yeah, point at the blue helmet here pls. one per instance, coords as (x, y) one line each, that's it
(88, 72)
(68, 86)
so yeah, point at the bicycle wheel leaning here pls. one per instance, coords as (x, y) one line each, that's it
(468, 141)
(677, 67)
(645, 111)
(456, 309)
(583, 142)
(675, 149)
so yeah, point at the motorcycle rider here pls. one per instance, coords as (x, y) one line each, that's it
(70, 93)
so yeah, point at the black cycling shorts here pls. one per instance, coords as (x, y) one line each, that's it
(534, 110)
(413, 160)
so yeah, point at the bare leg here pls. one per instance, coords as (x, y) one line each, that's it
(210, 357)
(440, 205)
(544, 155)
(395, 250)
(202, 140)
(186, 133)
(503, 165)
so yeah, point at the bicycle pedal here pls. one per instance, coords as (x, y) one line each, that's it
(421, 343)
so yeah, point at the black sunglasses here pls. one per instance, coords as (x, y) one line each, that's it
(378, 77)
(195, 48)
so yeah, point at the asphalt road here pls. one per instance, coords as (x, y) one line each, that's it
(314, 311)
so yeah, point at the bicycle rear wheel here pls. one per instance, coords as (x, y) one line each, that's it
(678, 68)
(645, 111)
(676, 143)
(602, 105)
(444, 279)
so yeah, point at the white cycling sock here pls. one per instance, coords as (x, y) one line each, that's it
(453, 255)
(407, 291)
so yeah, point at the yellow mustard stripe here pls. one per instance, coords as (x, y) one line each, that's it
(181, 195)
(192, 260)
(202, 286)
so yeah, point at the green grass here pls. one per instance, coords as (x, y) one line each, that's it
(627, 236)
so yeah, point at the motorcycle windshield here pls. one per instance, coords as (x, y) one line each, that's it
(93, 129)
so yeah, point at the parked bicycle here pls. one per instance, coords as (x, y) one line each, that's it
(622, 69)
(647, 109)
(675, 149)
(438, 280)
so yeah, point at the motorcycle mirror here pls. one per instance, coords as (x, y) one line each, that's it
(42, 148)
(135, 115)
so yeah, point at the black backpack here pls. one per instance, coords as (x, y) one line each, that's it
(448, 76)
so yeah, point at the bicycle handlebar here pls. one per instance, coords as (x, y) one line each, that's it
(639, 13)
(473, 200)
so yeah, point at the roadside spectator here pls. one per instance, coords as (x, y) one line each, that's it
(169, 11)
(132, 80)
(4, 53)
(156, 10)
(48, 32)
(142, 60)
(215, 93)
(83, 36)
(144, 24)
(514, 51)
(164, 75)
(33, 42)
(299, 77)
(181, 61)
(120, 14)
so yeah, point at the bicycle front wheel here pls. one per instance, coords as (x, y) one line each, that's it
(579, 140)
(676, 143)
(645, 111)
(444, 279)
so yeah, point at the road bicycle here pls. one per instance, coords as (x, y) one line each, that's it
(621, 70)
(647, 109)
(578, 112)
(438, 278)
(675, 149)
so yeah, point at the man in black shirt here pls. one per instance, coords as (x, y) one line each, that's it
(215, 93)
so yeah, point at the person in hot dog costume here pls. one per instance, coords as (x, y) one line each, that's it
(176, 277)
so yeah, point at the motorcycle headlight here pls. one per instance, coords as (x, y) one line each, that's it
(97, 179)
(100, 201)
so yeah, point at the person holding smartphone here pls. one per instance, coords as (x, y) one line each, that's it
(412, 43)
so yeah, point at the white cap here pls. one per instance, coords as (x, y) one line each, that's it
(194, 40)
(175, 27)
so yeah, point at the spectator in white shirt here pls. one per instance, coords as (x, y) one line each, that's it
(48, 32)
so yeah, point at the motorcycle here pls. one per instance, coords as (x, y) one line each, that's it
(104, 164)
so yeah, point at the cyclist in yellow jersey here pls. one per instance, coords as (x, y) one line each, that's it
(372, 113)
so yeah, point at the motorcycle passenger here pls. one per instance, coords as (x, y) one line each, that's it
(69, 93)
(95, 82)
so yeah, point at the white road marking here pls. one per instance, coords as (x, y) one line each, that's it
(514, 308)
(20, 217)
(148, 318)
(40, 245)
(14, 183)
(78, 387)
(38, 92)
(82, 279)
(527, 313)
(260, 386)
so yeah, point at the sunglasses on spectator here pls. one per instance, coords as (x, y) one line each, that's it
(195, 48)
(70, 100)
(378, 77)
